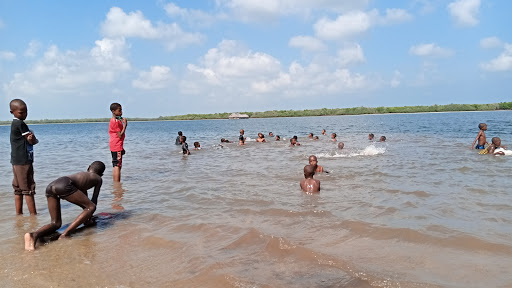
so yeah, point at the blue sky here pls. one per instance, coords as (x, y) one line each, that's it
(71, 59)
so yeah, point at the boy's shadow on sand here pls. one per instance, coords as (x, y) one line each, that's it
(101, 221)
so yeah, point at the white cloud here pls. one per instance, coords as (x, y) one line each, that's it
(263, 10)
(192, 16)
(307, 43)
(357, 22)
(430, 50)
(491, 42)
(71, 71)
(344, 26)
(350, 54)
(157, 78)
(232, 76)
(501, 63)
(33, 48)
(134, 24)
(7, 55)
(465, 12)
(393, 16)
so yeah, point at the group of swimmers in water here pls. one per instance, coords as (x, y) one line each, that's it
(308, 184)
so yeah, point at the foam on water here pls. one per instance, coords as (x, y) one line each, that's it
(370, 150)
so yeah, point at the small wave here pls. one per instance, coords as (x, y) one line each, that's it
(371, 150)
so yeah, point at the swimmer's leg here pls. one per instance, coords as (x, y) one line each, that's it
(56, 222)
(79, 198)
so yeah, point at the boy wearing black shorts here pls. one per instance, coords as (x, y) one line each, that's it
(72, 188)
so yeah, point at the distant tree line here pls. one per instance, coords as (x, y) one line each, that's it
(301, 113)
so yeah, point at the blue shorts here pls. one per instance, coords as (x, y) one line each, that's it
(479, 146)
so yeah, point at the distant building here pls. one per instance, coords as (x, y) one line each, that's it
(238, 116)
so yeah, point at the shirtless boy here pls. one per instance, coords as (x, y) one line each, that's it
(261, 138)
(495, 145)
(309, 185)
(314, 162)
(72, 188)
(480, 137)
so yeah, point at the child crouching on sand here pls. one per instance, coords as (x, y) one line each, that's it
(72, 188)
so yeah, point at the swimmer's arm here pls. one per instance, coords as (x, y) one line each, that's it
(96, 192)
(476, 139)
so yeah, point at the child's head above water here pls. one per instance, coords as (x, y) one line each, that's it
(333, 135)
(278, 138)
(496, 141)
(270, 134)
(341, 145)
(309, 171)
(370, 136)
(382, 138)
(313, 161)
(197, 145)
(180, 133)
(315, 137)
(310, 135)
(482, 126)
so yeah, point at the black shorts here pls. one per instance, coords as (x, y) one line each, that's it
(117, 158)
(61, 188)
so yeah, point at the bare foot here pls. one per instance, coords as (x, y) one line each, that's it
(30, 244)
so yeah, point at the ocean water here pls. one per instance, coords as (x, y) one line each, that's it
(420, 210)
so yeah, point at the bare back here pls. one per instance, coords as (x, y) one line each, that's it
(310, 185)
(85, 180)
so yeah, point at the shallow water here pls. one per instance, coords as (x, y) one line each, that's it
(420, 210)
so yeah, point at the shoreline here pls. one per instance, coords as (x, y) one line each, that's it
(355, 111)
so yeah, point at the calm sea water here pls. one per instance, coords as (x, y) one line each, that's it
(420, 210)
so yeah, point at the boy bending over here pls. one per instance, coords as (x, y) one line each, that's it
(72, 188)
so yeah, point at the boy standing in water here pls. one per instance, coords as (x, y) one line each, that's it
(313, 161)
(22, 157)
(116, 130)
(309, 185)
(184, 145)
(241, 138)
(178, 141)
(66, 188)
(480, 137)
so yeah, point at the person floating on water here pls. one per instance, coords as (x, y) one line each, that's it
(382, 139)
(197, 146)
(278, 138)
(22, 157)
(310, 185)
(116, 131)
(480, 137)
(496, 149)
(223, 140)
(72, 188)
(313, 161)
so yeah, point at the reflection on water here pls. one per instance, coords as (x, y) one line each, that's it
(117, 192)
(420, 210)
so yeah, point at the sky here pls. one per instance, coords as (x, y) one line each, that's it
(71, 59)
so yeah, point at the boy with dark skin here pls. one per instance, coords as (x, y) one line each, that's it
(261, 138)
(22, 140)
(313, 161)
(184, 145)
(382, 139)
(72, 188)
(333, 137)
(480, 137)
(495, 144)
(293, 142)
(371, 136)
(309, 185)
(241, 138)
(116, 131)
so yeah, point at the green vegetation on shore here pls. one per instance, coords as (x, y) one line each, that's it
(304, 113)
